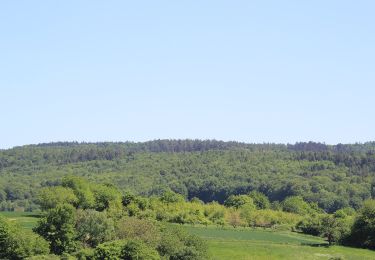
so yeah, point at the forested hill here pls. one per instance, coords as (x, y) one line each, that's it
(71, 152)
(68, 152)
(334, 176)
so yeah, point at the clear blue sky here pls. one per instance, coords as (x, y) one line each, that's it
(253, 71)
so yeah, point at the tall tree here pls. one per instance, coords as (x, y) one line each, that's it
(57, 227)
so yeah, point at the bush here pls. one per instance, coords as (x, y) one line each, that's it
(49, 197)
(138, 250)
(109, 250)
(125, 249)
(309, 225)
(132, 228)
(238, 201)
(335, 229)
(171, 197)
(363, 230)
(260, 200)
(85, 254)
(296, 204)
(93, 227)
(57, 227)
(176, 243)
(104, 195)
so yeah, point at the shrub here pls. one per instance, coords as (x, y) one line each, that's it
(309, 225)
(132, 228)
(104, 195)
(109, 250)
(93, 227)
(260, 200)
(329, 226)
(49, 197)
(138, 250)
(238, 201)
(295, 204)
(85, 254)
(171, 197)
(57, 227)
(363, 230)
(176, 243)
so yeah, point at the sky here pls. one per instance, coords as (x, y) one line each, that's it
(250, 71)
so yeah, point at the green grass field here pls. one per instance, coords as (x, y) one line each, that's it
(248, 244)
(26, 220)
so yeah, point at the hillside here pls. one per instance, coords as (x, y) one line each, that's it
(332, 176)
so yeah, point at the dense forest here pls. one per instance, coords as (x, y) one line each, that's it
(123, 200)
(333, 176)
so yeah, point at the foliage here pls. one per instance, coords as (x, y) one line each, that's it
(265, 185)
(238, 201)
(18, 244)
(104, 195)
(334, 227)
(271, 219)
(138, 250)
(169, 196)
(109, 250)
(176, 243)
(85, 254)
(93, 227)
(49, 197)
(58, 227)
(260, 200)
(234, 219)
(81, 189)
(310, 225)
(334, 177)
(363, 230)
(297, 205)
(131, 228)
(44, 257)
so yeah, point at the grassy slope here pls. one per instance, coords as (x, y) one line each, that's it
(263, 244)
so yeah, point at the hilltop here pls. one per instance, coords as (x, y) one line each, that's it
(333, 176)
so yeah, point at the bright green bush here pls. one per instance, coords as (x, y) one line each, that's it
(238, 201)
(109, 250)
(296, 204)
(49, 197)
(85, 254)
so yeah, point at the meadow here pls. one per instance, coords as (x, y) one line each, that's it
(26, 220)
(248, 244)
